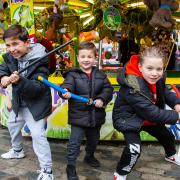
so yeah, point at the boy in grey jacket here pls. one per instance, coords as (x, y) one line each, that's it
(31, 99)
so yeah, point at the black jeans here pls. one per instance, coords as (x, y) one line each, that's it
(92, 135)
(132, 149)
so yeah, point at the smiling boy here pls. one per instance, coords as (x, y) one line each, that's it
(31, 99)
(85, 119)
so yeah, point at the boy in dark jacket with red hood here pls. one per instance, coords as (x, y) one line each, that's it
(89, 82)
(140, 105)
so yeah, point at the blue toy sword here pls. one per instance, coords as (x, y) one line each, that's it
(61, 90)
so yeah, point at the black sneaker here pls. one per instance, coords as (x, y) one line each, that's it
(92, 161)
(71, 172)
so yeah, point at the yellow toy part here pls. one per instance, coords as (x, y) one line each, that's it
(59, 117)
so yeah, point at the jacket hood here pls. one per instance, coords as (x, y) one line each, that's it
(131, 68)
(37, 51)
(131, 75)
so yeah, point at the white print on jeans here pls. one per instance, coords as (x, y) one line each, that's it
(133, 148)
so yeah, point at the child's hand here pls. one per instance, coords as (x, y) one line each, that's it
(66, 95)
(177, 107)
(5, 81)
(99, 103)
(14, 78)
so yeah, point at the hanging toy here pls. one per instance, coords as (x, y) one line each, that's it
(52, 17)
(162, 17)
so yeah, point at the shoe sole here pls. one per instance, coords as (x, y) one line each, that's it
(73, 178)
(172, 161)
(95, 166)
(13, 157)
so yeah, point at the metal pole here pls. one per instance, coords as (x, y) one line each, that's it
(100, 55)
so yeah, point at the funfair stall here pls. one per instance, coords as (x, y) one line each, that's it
(119, 29)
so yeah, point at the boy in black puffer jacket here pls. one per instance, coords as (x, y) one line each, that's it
(140, 105)
(89, 82)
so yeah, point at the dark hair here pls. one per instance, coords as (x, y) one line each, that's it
(87, 45)
(152, 51)
(16, 31)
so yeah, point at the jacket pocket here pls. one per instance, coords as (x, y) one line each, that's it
(132, 123)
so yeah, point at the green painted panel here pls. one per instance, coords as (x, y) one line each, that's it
(176, 13)
(173, 74)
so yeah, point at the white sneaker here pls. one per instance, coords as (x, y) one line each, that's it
(11, 154)
(174, 159)
(44, 175)
(119, 177)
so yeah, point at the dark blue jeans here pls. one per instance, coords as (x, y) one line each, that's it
(92, 135)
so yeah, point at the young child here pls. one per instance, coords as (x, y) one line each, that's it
(89, 82)
(140, 106)
(31, 99)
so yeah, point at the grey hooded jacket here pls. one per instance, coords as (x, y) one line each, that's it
(29, 91)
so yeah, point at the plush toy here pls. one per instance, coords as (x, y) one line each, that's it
(25, 18)
(48, 45)
(163, 9)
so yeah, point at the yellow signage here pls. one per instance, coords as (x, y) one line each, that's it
(22, 13)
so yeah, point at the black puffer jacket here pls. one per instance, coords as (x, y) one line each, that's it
(34, 93)
(134, 103)
(77, 82)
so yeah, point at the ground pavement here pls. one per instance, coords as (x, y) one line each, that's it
(151, 165)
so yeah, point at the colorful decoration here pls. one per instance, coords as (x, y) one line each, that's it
(3, 22)
(22, 13)
(4, 18)
(146, 42)
(108, 55)
(112, 18)
(162, 9)
(88, 36)
(51, 18)
(3, 4)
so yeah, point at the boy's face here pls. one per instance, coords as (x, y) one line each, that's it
(16, 47)
(152, 69)
(86, 59)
